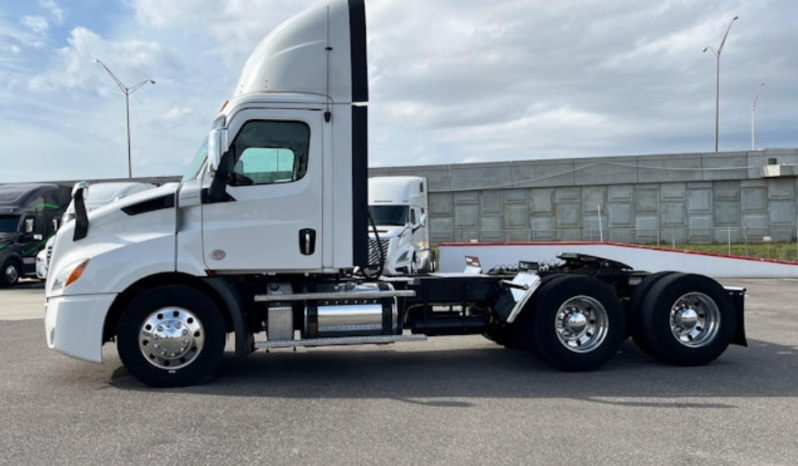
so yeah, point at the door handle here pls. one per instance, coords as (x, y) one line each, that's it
(307, 241)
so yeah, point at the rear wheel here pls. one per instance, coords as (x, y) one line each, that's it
(171, 336)
(687, 319)
(10, 274)
(574, 323)
(635, 308)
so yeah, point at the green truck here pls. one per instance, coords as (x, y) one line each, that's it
(30, 213)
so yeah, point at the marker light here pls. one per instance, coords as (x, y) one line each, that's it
(70, 274)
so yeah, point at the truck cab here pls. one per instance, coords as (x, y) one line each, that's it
(398, 208)
(30, 214)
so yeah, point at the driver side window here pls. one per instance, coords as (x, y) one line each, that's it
(269, 152)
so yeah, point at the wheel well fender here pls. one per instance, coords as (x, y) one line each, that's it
(13, 257)
(227, 291)
(224, 296)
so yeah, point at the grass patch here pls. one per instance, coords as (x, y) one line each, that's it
(787, 252)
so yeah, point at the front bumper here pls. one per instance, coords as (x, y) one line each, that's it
(74, 324)
(41, 267)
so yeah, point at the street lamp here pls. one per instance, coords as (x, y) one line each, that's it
(753, 117)
(717, 79)
(127, 91)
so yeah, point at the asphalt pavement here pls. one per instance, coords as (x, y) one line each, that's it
(447, 401)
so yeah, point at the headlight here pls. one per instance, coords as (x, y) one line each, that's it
(70, 274)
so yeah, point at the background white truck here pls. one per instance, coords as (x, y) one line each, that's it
(266, 239)
(398, 208)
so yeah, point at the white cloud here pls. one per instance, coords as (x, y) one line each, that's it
(55, 11)
(37, 24)
(73, 67)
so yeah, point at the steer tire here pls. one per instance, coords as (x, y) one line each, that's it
(687, 319)
(171, 336)
(574, 323)
(10, 273)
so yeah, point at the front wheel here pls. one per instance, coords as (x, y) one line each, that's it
(171, 336)
(10, 274)
(575, 323)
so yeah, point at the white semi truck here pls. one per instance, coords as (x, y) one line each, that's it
(399, 237)
(265, 239)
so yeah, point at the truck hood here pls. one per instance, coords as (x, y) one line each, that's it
(139, 218)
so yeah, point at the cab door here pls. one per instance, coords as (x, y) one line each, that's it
(272, 218)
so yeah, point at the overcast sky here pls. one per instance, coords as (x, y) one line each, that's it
(451, 80)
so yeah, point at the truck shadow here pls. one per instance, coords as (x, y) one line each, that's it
(438, 378)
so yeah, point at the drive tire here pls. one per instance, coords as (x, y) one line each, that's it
(687, 319)
(171, 336)
(574, 323)
(10, 273)
(635, 309)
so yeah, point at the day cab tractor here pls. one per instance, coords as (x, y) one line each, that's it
(266, 240)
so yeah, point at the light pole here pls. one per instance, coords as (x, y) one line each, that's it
(717, 79)
(127, 91)
(753, 117)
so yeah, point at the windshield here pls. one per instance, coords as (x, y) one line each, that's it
(199, 161)
(8, 223)
(389, 214)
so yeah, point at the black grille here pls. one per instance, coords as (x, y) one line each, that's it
(374, 253)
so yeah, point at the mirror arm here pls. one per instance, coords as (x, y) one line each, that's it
(218, 189)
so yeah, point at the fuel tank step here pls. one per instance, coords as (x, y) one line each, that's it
(340, 341)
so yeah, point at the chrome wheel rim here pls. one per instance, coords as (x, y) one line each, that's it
(581, 324)
(11, 273)
(694, 320)
(171, 338)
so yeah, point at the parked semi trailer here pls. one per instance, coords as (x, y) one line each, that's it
(266, 239)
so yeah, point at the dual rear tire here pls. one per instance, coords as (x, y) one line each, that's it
(573, 322)
(683, 319)
(577, 323)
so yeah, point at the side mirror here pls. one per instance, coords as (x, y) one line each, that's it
(422, 222)
(30, 225)
(81, 216)
(217, 141)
